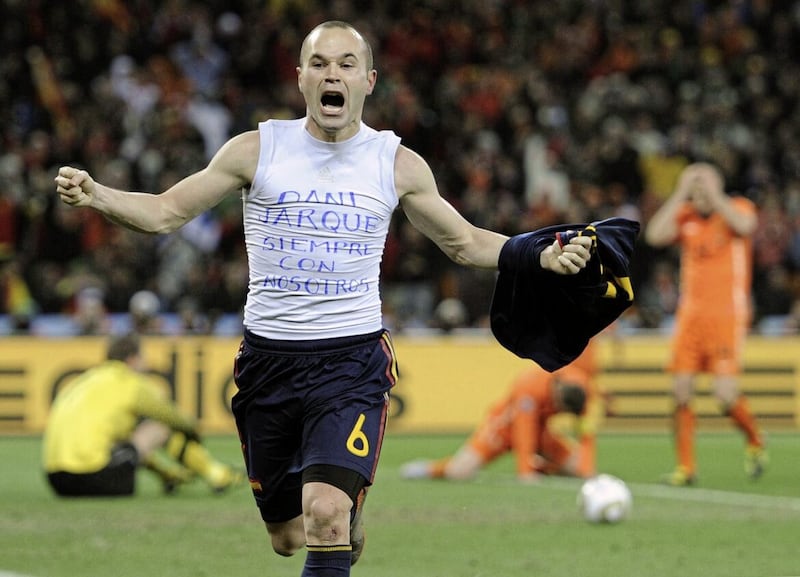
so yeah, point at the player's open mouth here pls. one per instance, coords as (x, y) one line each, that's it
(332, 102)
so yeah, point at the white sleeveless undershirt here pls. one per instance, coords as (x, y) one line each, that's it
(316, 219)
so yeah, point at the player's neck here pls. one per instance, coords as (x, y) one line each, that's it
(332, 135)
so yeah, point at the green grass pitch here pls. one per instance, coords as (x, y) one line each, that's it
(727, 526)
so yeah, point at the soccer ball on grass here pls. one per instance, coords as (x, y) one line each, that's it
(605, 499)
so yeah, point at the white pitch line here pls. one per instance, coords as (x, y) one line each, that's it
(718, 497)
(10, 574)
(697, 494)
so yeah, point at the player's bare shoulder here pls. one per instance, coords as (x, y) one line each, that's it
(239, 156)
(412, 173)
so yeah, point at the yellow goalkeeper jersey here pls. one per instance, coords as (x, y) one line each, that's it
(99, 409)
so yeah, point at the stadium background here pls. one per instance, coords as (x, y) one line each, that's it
(530, 113)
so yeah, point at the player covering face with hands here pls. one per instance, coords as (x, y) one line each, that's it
(713, 231)
(315, 367)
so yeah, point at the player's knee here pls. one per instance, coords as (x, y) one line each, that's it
(326, 510)
(327, 519)
(726, 397)
(149, 435)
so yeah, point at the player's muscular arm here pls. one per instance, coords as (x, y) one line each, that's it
(151, 404)
(462, 242)
(230, 169)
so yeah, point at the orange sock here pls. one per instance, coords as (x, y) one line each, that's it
(740, 414)
(684, 424)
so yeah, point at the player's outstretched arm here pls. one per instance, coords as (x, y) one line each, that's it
(229, 170)
(461, 241)
(436, 218)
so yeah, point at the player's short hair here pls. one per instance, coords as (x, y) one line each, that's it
(573, 398)
(122, 347)
(346, 26)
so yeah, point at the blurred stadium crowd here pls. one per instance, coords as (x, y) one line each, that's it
(530, 113)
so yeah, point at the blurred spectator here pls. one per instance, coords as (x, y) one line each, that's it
(90, 314)
(201, 60)
(658, 298)
(409, 295)
(771, 241)
(774, 297)
(449, 314)
(618, 160)
(15, 296)
(144, 309)
(792, 320)
(192, 321)
(547, 185)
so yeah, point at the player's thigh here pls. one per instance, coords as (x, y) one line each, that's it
(347, 433)
(725, 344)
(688, 349)
(268, 413)
(346, 409)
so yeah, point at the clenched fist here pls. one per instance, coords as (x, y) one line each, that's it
(75, 187)
(569, 258)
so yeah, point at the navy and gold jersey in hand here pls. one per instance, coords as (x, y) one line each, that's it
(304, 403)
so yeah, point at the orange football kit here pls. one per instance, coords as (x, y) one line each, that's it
(713, 315)
(518, 424)
(714, 312)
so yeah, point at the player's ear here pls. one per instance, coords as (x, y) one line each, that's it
(372, 79)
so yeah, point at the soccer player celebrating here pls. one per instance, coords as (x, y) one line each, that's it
(316, 367)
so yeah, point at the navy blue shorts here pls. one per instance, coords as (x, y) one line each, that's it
(304, 403)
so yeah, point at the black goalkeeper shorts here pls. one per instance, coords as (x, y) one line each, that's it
(117, 479)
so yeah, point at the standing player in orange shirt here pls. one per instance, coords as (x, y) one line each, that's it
(519, 423)
(714, 233)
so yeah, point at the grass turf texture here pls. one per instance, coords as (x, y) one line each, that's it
(727, 526)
